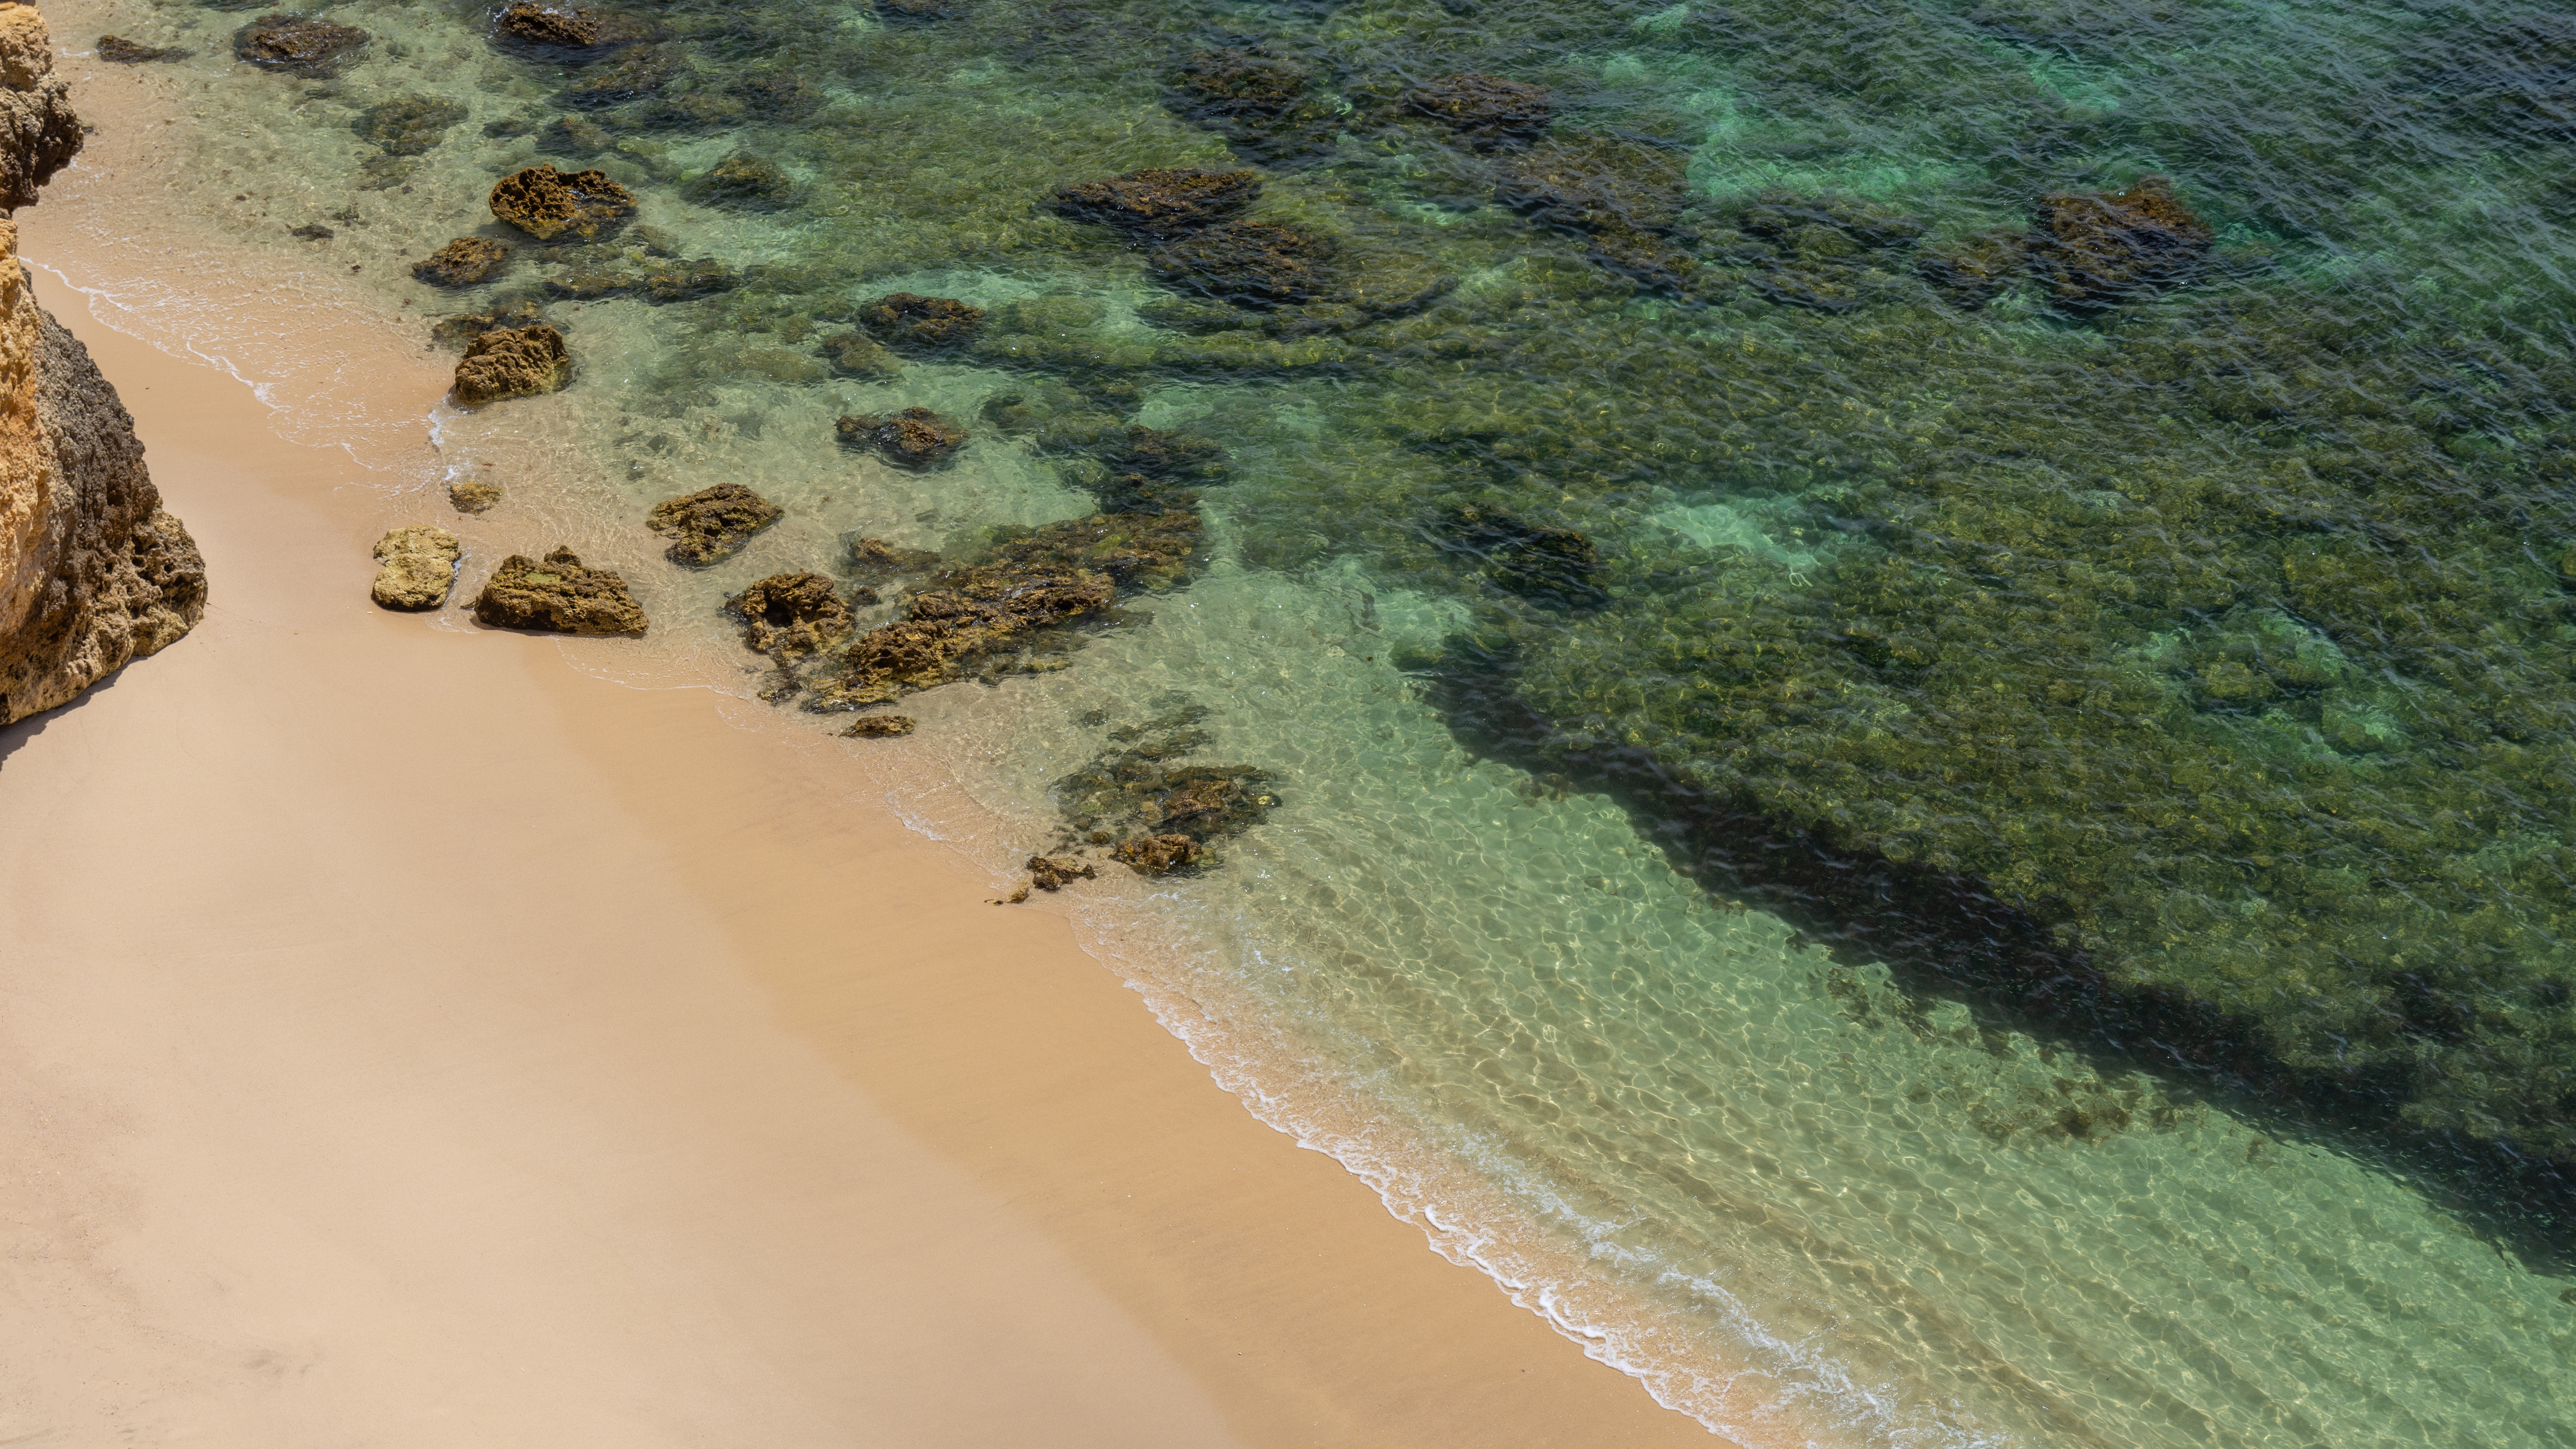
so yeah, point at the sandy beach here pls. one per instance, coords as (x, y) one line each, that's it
(411, 1038)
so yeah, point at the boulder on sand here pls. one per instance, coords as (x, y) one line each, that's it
(418, 567)
(557, 595)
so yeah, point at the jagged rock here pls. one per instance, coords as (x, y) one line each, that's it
(558, 595)
(473, 495)
(506, 363)
(2094, 251)
(464, 327)
(712, 524)
(1973, 270)
(788, 616)
(873, 560)
(121, 51)
(467, 261)
(546, 203)
(926, 323)
(568, 27)
(1248, 263)
(410, 126)
(1054, 873)
(744, 182)
(879, 727)
(1156, 854)
(1484, 108)
(38, 131)
(1159, 202)
(1554, 564)
(298, 44)
(418, 567)
(914, 437)
(854, 354)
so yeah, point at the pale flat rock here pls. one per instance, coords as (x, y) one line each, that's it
(419, 567)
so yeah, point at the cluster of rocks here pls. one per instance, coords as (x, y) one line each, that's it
(1187, 220)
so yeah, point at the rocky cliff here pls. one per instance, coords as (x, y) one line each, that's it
(92, 572)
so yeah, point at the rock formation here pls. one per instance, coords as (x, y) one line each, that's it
(473, 495)
(298, 44)
(92, 572)
(569, 27)
(1160, 201)
(505, 363)
(712, 524)
(903, 319)
(464, 262)
(2099, 250)
(118, 50)
(418, 567)
(546, 203)
(913, 438)
(879, 727)
(558, 595)
(788, 616)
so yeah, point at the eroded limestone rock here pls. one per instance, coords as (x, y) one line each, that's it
(912, 438)
(546, 203)
(298, 44)
(558, 594)
(506, 363)
(38, 131)
(417, 567)
(788, 616)
(712, 524)
(465, 262)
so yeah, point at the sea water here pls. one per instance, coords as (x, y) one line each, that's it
(1839, 959)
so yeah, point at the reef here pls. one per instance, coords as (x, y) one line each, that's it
(927, 324)
(743, 182)
(855, 354)
(506, 363)
(712, 524)
(473, 495)
(1159, 202)
(1254, 264)
(1974, 270)
(118, 50)
(568, 27)
(546, 203)
(416, 567)
(2095, 251)
(465, 262)
(788, 616)
(1157, 811)
(912, 438)
(1485, 109)
(298, 44)
(557, 595)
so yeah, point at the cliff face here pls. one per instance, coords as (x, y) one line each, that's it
(92, 572)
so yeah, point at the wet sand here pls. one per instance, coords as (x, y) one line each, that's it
(410, 1038)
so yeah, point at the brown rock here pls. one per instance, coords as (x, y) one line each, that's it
(875, 560)
(1484, 108)
(2095, 251)
(712, 524)
(38, 131)
(913, 438)
(1240, 85)
(1593, 182)
(525, 362)
(1248, 263)
(1156, 854)
(788, 616)
(1160, 201)
(473, 496)
(118, 50)
(1973, 270)
(903, 319)
(464, 327)
(298, 44)
(855, 354)
(571, 27)
(546, 203)
(881, 727)
(639, 73)
(559, 595)
(1054, 872)
(418, 567)
(464, 262)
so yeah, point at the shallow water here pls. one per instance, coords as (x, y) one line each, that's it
(1913, 948)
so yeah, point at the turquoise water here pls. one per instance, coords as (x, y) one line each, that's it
(1912, 862)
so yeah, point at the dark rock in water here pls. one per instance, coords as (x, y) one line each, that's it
(914, 437)
(1792, 222)
(298, 44)
(641, 72)
(855, 354)
(473, 495)
(411, 126)
(1974, 270)
(788, 616)
(1825, 286)
(1643, 257)
(312, 231)
(905, 320)
(779, 95)
(683, 281)
(880, 727)
(913, 12)
(1553, 564)
(507, 363)
(566, 27)
(1053, 873)
(1591, 182)
(464, 327)
(1486, 109)
(416, 568)
(588, 284)
(873, 560)
(1149, 471)
(1263, 103)
(464, 262)
(121, 51)
(2094, 251)
(546, 203)
(1157, 854)
(1159, 201)
(558, 595)
(712, 524)
(744, 182)
(1255, 264)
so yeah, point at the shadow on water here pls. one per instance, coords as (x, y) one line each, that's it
(1948, 935)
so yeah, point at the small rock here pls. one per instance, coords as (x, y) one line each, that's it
(1484, 108)
(788, 616)
(1159, 202)
(418, 567)
(312, 231)
(473, 495)
(914, 437)
(744, 182)
(567, 27)
(884, 727)
(411, 125)
(118, 49)
(1156, 854)
(464, 327)
(875, 560)
(558, 595)
(854, 354)
(1054, 872)
(2096, 251)
(546, 203)
(712, 524)
(298, 44)
(507, 363)
(467, 261)
(902, 318)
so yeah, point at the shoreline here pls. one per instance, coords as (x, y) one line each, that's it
(1153, 1262)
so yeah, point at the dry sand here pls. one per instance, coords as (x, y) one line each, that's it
(406, 1038)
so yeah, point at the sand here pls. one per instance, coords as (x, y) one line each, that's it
(411, 1038)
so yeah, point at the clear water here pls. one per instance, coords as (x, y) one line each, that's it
(1864, 971)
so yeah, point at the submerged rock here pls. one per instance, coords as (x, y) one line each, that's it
(546, 203)
(1974, 270)
(1157, 854)
(473, 495)
(1162, 810)
(684, 281)
(1261, 102)
(873, 560)
(298, 44)
(567, 27)
(120, 51)
(744, 182)
(855, 354)
(641, 72)
(1484, 108)
(2098, 250)
(1248, 263)
(467, 261)
(1159, 201)
(410, 126)
(914, 437)
(418, 567)
(1533, 560)
(712, 524)
(464, 327)
(879, 727)
(1592, 182)
(507, 363)
(1827, 226)
(558, 595)
(788, 616)
(928, 323)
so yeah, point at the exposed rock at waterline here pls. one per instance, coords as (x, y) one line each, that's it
(467, 261)
(473, 495)
(879, 727)
(712, 524)
(418, 567)
(557, 595)
(1156, 854)
(524, 362)
(788, 616)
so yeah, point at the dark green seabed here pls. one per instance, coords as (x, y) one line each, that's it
(2067, 508)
